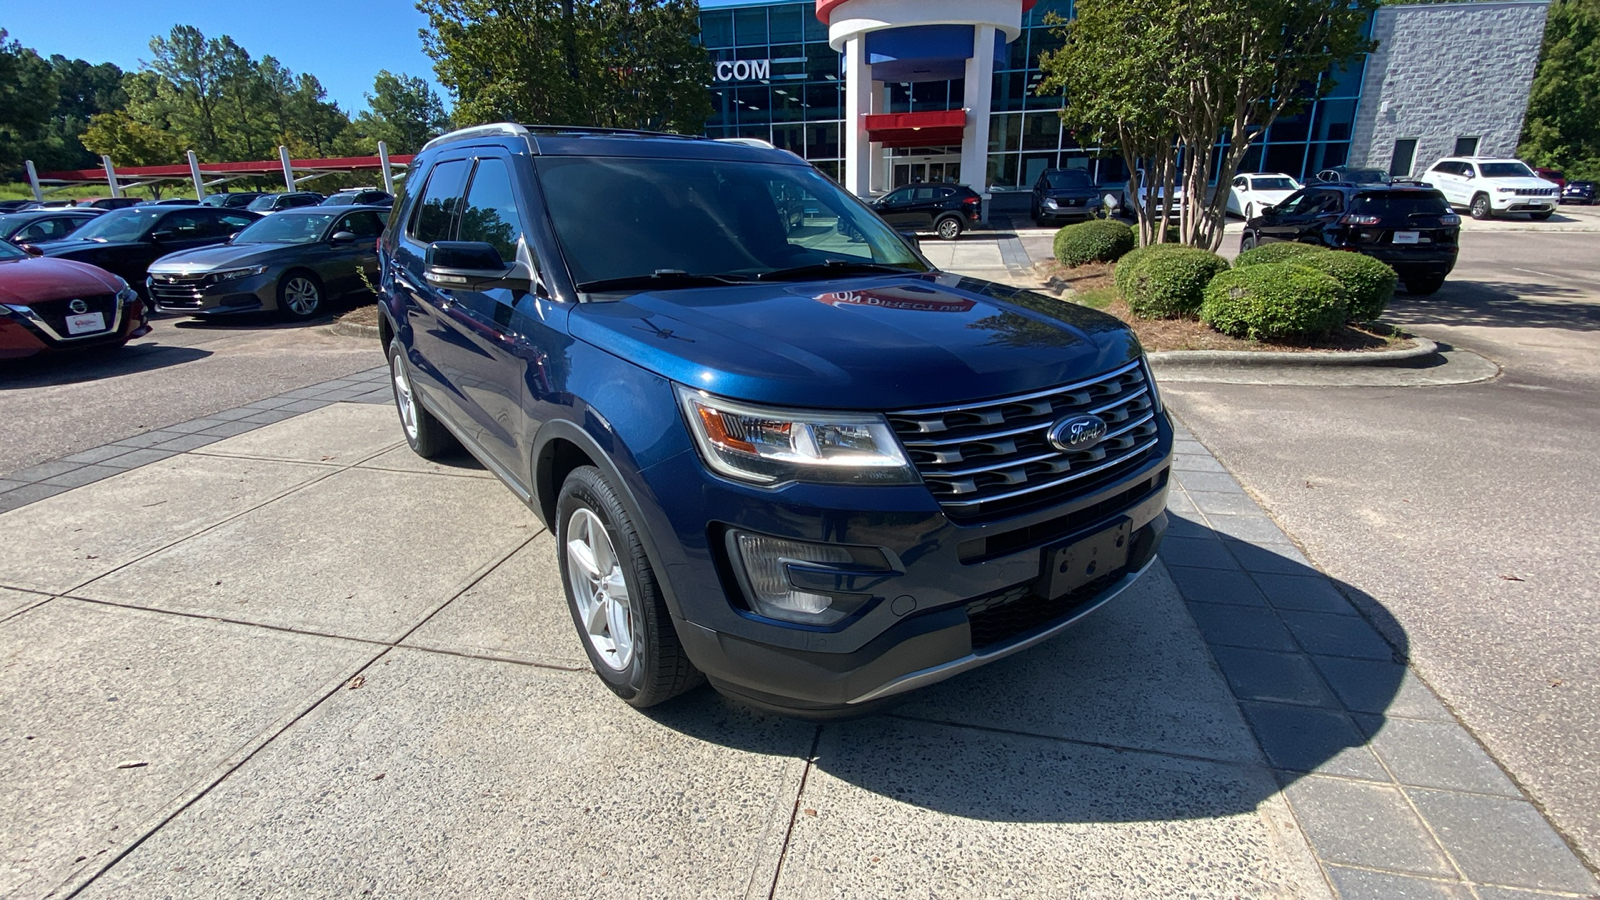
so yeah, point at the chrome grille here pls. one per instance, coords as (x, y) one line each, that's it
(179, 290)
(991, 456)
(1536, 192)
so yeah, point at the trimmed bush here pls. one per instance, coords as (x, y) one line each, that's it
(1097, 240)
(1125, 265)
(1369, 283)
(1275, 301)
(1171, 284)
(1275, 253)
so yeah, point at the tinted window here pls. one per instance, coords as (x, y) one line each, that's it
(1067, 178)
(1505, 170)
(262, 203)
(439, 201)
(232, 222)
(119, 225)
(898, 196)
(490, 213)
(289, 229)
(1295, 204)
(363, 224)
(1399, 204)
(187, 224)
(923, 194)
(44, 230)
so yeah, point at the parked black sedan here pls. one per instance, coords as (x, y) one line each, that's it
(292, 261)
(945, 209)
(1411, 228)
(1578, 192)
(126, 241)
(36, 226)
(1064, 194)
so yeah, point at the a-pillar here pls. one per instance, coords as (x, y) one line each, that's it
(858, 104)
(975, 140)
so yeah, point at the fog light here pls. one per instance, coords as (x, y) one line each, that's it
(765, 561)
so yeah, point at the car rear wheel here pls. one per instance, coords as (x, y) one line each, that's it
(949, 228)
(612, 595)
(426, 435)
(1424, 285)
(299, 295)
(1480, 208)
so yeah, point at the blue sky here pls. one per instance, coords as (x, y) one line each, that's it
(342, 42)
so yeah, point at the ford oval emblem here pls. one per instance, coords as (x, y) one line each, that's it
(1077, 432)
(78, 306)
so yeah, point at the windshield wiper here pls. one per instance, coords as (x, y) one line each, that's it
(832, 267)
(667, 278)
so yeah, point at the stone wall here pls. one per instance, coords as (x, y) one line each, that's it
(1447, 70)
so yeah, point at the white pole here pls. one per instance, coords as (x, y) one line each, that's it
(383, 160)
(975, 140)
(857, 104)
(288, 169)
(194, 173)
(33, 180)
(111, 176)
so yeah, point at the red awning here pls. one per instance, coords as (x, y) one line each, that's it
(825, 8)
(262, 167)
(923, 129)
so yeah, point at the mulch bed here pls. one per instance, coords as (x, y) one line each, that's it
(366, 314)
(1095, 279)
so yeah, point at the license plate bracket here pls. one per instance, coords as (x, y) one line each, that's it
(1407, 237)
(87, 323)
(1068, 567)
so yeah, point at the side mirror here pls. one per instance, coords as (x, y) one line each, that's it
(163, 235)
(912, 238)
(472, 266)
(345, 237)
(31, 250)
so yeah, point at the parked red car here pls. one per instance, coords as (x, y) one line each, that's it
(59, 304)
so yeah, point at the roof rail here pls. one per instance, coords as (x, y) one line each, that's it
(495, 128)
(595, 129)
(748, 142)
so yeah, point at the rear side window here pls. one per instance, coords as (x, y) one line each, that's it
(362, 224)
(490, 213)
(437, 207)
(1397, 204)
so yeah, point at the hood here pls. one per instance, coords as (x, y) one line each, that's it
(37, 279)
(70, 247)
(1523, 184)
(1273, 197)
(879, 343)
(220, 256)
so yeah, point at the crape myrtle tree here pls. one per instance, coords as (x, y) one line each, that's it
(606, 63)
(1182, 88)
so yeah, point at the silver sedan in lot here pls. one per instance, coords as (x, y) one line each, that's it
(292, 261)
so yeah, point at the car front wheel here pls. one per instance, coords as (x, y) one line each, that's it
(612, 595)
(1247, 241)
(299, 295)
(1480, 208)
(1249, 211)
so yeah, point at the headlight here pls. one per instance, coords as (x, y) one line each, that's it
(770, 446)
(1503, 190)
(232, 274)
(1050, 202)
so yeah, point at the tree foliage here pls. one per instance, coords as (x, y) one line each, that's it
(27, 97)
(1562, 130)
(607, 63)
(130, 142)
(1165, 80)
(404, 113)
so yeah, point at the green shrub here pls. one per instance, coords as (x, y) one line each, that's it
(1369, 283)
(1171, 284)
(1275, 301)
(1097, 240)
(1124, 272)
(1275, 253)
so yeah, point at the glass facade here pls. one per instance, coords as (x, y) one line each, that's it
(799, 104)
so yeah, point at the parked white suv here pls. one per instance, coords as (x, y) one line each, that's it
(1488, 187)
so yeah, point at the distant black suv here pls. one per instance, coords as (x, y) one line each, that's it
(1405, 225)
(1064, 194)
(945, 209)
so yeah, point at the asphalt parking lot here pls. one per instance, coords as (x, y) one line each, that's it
(282, 656)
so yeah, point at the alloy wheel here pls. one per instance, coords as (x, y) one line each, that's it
(302, 295)
(403, 398)
(595, 575)
(949, 229)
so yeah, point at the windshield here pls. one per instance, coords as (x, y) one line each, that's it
(7, 251)
(262, 203)
(286, 228)
(1066, 180)
(1505, 170)
(1274, 184)
(1365, 176)
(341, 199)
(1400, 204)
(119, 225)
(10, 225)
(622, 218)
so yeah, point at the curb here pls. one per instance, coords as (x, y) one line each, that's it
(352, 329)
(1183, 359)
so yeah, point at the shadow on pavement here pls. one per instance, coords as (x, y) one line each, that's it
(1168, 704)
(91, 365)
(1498, 304)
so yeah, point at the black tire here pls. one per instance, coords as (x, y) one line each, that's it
(656, 669)
(1480, 208)
(1424, 285)
(300, 295)
(949, 228)
(425, 435)
(1541, 216)
(1247, 241)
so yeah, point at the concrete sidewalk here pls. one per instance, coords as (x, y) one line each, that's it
(299, 661)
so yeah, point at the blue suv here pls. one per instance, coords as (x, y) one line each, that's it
(778, 449)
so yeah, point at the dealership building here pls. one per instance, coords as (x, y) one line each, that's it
(881, 93)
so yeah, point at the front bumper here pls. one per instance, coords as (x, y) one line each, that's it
(23, 333)
(191, 297)
(1513, 203)
(952, 597)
